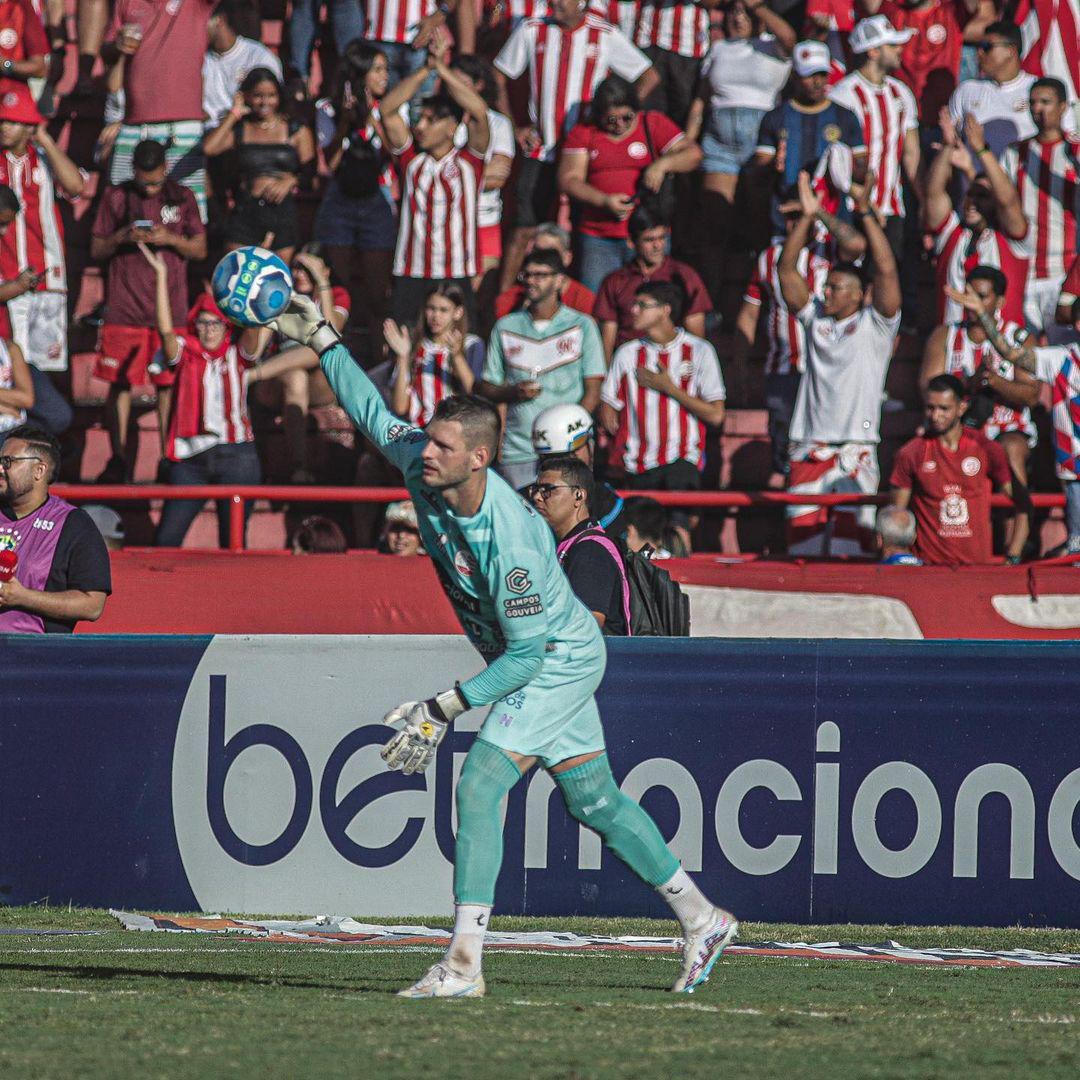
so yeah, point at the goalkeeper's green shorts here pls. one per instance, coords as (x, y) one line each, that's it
(554, 717)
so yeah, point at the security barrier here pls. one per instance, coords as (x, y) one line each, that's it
(906, 782)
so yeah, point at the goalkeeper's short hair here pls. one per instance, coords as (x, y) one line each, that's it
(479, 419)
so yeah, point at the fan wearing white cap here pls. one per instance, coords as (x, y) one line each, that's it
(569, 429)
(889, 115)
(798, 134)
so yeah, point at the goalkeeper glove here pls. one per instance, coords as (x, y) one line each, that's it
(413, 748)
(302, 321)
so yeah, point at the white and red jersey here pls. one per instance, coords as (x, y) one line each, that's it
(210, 400)
(35, 239)
(887, 113)
(565, 67)
(963, 357)
(1059, 366)
(432, 378)
(1051, 34)
(959, 251)
(1047, 176)
(655, 429)
(676, 27)
(437, 223)
(395, 20)
(787, 338)
(620, 13)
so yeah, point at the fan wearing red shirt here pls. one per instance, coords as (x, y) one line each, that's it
(930, 61)
(606, 167)
(24, 47)
(946, 477)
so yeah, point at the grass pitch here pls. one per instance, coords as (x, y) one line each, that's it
(128, 1004)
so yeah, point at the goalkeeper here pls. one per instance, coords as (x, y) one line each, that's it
(496, 560)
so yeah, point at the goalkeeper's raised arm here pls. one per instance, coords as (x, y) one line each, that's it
(356, 393)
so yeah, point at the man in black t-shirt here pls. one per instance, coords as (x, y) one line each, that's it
(590, 559)
(54, 567)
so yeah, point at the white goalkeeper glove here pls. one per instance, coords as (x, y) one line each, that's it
(303, 322)
(413, 748)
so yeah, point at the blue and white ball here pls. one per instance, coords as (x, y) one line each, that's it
(251, 286)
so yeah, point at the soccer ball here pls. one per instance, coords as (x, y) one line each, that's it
(251, 286)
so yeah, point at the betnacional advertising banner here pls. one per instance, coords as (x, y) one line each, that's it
(803, 781)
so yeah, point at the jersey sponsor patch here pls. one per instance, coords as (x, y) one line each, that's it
(517, 607)
(464, 563)
(517, 580)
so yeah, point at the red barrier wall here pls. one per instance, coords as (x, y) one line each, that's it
(365, 593)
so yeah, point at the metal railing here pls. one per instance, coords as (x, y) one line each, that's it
(238, 495)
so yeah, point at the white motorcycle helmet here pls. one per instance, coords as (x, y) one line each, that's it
(562, 429)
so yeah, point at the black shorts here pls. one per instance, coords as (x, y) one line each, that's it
(252, 219)
(536, 192)
(408, 294)
(681, 475)
(678, 83)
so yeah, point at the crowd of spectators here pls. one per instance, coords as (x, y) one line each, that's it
(615, 206)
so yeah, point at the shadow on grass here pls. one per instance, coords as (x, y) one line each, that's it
(105, 974)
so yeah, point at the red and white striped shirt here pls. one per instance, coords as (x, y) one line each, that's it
(655, 429)
(787, 338)
(437, 224)
(35, 239)
(620, 13)
(210, 400)
(1051, 34)
(395, 20)
(432, 378)
(963, 357)
(1047, 176)
(676, 27)
(565, 67)
(959, 252)
(887, 113)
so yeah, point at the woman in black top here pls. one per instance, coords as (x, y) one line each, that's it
(269, 151)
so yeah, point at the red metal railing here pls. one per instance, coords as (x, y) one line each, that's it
(238, 495)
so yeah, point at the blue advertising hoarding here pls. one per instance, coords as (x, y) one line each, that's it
(908, 782)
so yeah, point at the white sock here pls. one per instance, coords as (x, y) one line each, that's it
(687, 901)
(470, 925)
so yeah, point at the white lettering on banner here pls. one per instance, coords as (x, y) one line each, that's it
(281, 803)
(774, 856)
(986, 780)
(896, 776)
(1059, 824)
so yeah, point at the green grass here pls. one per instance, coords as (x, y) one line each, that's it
(201, 1006)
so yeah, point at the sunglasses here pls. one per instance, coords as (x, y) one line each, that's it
(543, 491)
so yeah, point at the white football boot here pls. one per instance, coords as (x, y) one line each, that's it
(441, 981)
(703, 948)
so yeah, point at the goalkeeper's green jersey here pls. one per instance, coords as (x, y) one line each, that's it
(498, 568)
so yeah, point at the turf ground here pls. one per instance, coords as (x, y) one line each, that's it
(127, 1004)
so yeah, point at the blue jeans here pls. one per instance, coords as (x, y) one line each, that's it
(1072, 513)
(598, 256)
(403, 60)
(346, 22)
(51, 409)
(228, 463)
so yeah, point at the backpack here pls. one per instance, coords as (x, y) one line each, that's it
(655, 605)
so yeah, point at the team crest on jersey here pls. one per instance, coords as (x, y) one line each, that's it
(451, 172)
(8, 38)
(953, 511)
(831, 133)
(8, 541)
(970, 466)
(464, 563)
(929, 466)
(637, 150)
(11, 99)
(517, 581)
(936, 34)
